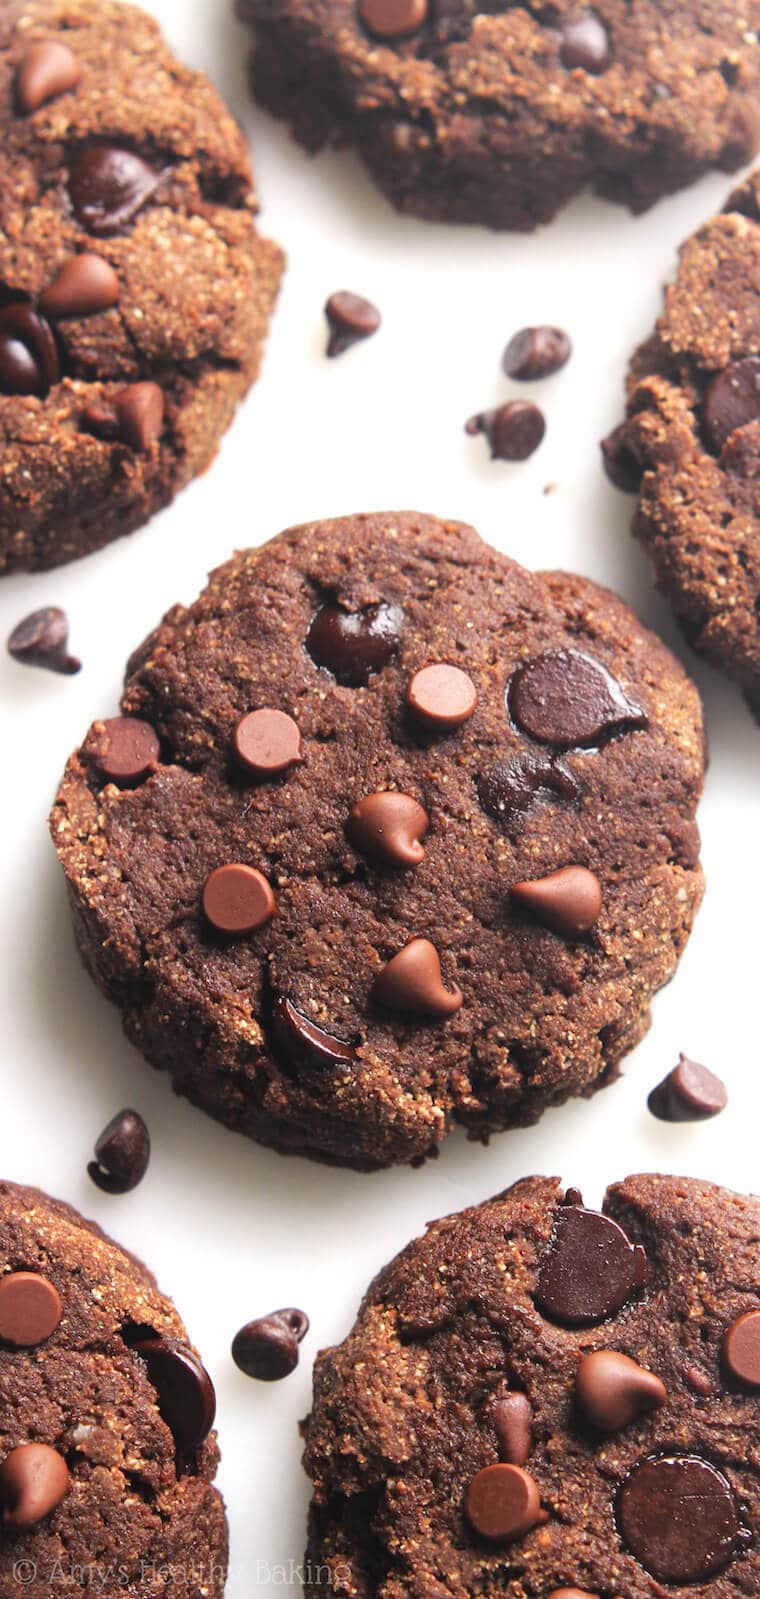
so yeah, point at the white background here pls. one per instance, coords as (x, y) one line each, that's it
(233, 1230)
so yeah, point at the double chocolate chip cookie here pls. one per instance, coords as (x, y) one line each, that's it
(135, 291)
(389, 835)
(690, 445)
(550, 1402)
(107, 1454)
(497, 112)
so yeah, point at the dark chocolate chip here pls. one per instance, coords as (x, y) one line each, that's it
(441, 697)
(590, 1270)
(508, 789)
(536, 353)
(186, 1398)
(41, 640)
(731, 401)
(350, 318)
(388, 828)
(585, 43)
(33, 1480)
(411, 981)
(267, 742)
(612, 1390)
(741, 1349)
(268, 1347)
(107, 186)
(514, 430)
(47, 70)
(393, 19)
(679, 1518)
(568, 902)
(133, 416)
(237, 899)
(353, 644)
(503, 1502)
(122, 1153)
(30, 1309)
(567, 698)
(124, 750)
(302, 1043)
(512, 1420)
(28, 352)
(85, 285)
(620, 462)
(690, 1093)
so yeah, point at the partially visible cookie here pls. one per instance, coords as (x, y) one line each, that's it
(107, 1454)
(392, 835)
(690, 444)
(495, 112)
(549, 1402)
(135, 292)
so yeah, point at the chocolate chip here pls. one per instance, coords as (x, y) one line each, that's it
(268, 1347)
(568, 699)
(122, 1153)
(353, 644)
(585, 43)
(350, 318)
(392, 19)
(536, 353)
(388, 829)
(133, 416)
(503, 1502)
(572, 1593)
(411, 981)
(568, 901)
(620, 462)
(612, 1390)
(678, 1517)
(237, 899)
(28, 352)
(441, 697)
(41, 640)
(124, 750)
(30, 1309)
(186, 1398)
(514, 430)
(690, 1093)
(699, 1381)
(512, 1420)
(33, 1480)
(590, 1270)
(47, 70)
(741, 1349)
(107, 186)
(302, 1043)
(83, 286)
(731, 401)
(267, 742)
(508, 789)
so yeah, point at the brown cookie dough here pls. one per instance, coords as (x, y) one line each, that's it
(107, 1456)
(495, 112)
(135, 292)
(471, 1437)
(438, 882)
(691, 439)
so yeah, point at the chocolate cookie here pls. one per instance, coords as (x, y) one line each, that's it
(391, 835)
(107, 1456)
(496, 112)
(549, 1402)
(691, 442)
(135, 291)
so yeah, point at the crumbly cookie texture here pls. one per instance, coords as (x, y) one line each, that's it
(116, 1503)
(635, 1427)
(135, 292)
(690, 441)
(493, 112)
(395, 835)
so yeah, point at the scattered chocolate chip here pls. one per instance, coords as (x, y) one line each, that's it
(441, 697)
(622, 466)
(33, 1480)
(585, 43)
(741, 1349)
(388, 829)
(590, 1270)
(83, 286)
(107, 186)
(690, 1093)
(47, 70)
(302, 1043)
(353, 644)
(731, 401)
(568, 901)
(503, 1502)
(699, 1381)
(536, 353)
(350, 318)
(508, 789)
(29, 361)
(514, 430)
(411, 981)
(30, 1309)
(124, 750)
(133, 416)
(186, 1398)
(41, 640)
(237, 899)
(392, 19)
(512, 1420)
(268, 1347)
(612, 1390)
(267, 742)
(122, 1153)
(678, 1516)
(568, 699)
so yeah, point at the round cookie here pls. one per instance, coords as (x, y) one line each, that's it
(494, 112)
(690, 441)
(135, 291)
(107, 1456)
(437, 882)
(490, 1426)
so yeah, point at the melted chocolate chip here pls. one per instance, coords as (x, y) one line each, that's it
(33, 1480)
(679, 1518)
(124, 750)
(503, 1502)
(568, 699)
(107, 186)
(28, 352)
(411, 981)
(388, 829)
(741, 1349)
(48, 70)
(612, 1390)
(509, 788)
(30, 1309)
(302, 1043)
(731, 401)
(354, 644)
(590, 1270)
(186, 1398)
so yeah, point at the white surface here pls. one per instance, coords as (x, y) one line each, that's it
(233, 1230)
